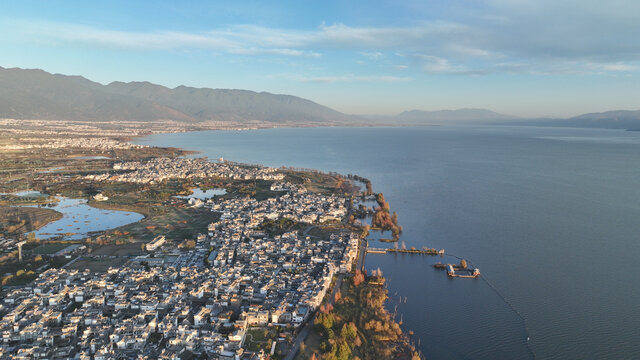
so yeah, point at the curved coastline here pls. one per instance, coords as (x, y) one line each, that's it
(389, 264)
(404, 345)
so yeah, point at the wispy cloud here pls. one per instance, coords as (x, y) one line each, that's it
(353, 78)
(613, 67)
(502, 36)
(374, 55)
(438, 65)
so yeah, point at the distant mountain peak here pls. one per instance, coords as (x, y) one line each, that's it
(610, 115)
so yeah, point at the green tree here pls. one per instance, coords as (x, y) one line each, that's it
(344, 351)
(349, 331)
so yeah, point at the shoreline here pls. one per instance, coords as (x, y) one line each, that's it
(405, 337)
(404, 334)
(80, 157)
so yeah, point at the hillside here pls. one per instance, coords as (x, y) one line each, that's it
(617, 119)
(36, 94)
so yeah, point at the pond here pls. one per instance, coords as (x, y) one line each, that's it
(202, 195)
(79, 220)
(26, 193)
(91, 157)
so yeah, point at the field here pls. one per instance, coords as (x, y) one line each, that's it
(97, 265)
(49, 249)
(175, 223)
(128, 249)
(16, 220)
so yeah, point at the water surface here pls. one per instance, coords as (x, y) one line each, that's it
(80, 219)
(198, 193)
(549, 215)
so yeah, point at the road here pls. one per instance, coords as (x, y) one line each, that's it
(362, 252)
(302, 335)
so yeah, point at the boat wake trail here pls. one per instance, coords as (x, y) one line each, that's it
(506, 301)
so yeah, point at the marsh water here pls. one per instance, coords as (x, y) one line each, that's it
(79, 220)
(549, 215)
(198, 193)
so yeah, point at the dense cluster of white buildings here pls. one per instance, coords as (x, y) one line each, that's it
(244, 275)
(160, 169)
(97, 143)
(297, 204)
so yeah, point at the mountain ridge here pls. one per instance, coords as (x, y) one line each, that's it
(40, 95)
(37, 94)
(613, 119)
(458, 115)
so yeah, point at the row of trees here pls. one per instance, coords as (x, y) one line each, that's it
(367, 183)
(21, 277)
(358, 326)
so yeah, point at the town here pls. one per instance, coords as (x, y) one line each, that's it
(94, 143)
(199, 298)
(159, 169)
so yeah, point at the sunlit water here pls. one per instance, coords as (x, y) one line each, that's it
(549, 215)
(80, 219)
(198, 193)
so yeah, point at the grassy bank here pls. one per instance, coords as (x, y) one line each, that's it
(18, 220)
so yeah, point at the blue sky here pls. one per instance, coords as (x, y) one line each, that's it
(520, 57)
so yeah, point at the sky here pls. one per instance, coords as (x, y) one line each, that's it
(530, 58)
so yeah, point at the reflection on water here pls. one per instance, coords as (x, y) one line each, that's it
(549, 215)
(80, 219)
(26, 193)
(202, 195)
(91, 157)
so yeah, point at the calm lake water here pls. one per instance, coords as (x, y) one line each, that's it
(549, 215)
(198, 193)
(80, 219)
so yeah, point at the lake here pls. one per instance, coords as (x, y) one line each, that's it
(549, 215)
(79, 220)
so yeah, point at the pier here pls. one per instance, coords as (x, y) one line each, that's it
(371, 250)
(458, 271)
(453, 270)
(376, 251)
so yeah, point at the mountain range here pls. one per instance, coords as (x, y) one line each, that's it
(448, 116)
(37, 94)
(617, 119)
